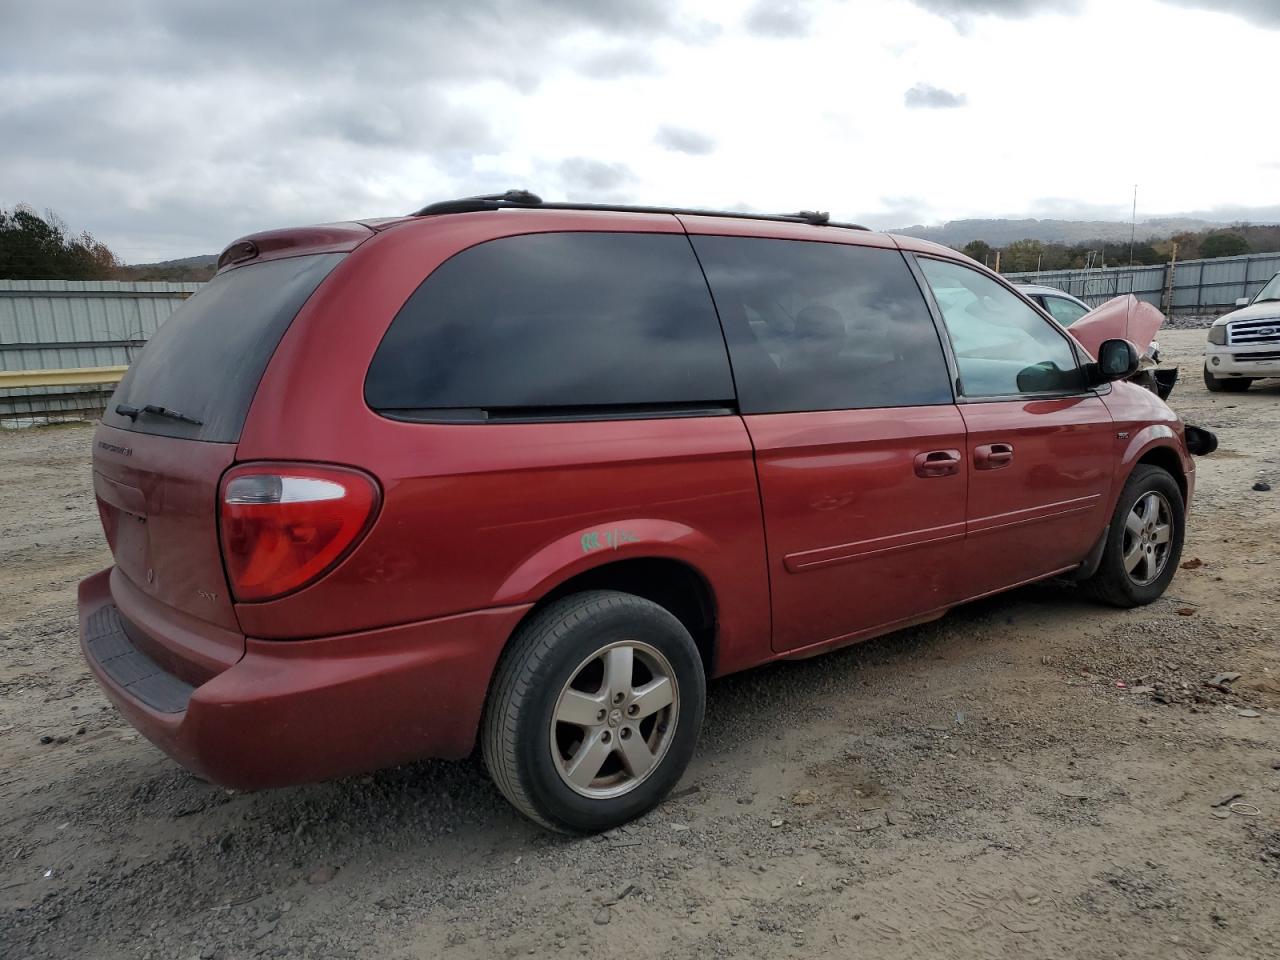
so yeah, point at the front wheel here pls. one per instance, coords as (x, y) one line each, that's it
(1144, 540)
(594, 712)
(1226, 384)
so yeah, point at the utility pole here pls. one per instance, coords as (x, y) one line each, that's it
(1133, 224)
(1168, 281)
(997, 261)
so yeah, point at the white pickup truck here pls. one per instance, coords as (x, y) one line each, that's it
(1244, 345)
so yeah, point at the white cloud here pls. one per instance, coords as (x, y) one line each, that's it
(922, 95)
(167, 131)
(778, 18)
(1263, 12)
(682, 140)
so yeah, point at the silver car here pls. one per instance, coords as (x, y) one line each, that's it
(1063, 307)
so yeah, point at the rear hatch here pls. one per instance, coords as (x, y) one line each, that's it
(169, 433)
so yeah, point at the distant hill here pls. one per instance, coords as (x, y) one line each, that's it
(999, 233)
(204, 260)
(201, 267)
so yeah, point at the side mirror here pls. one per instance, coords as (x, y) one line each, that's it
(1117, 360)
(1243, 302)
(1046, 378)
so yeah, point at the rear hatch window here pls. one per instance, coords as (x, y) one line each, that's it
(203, 365)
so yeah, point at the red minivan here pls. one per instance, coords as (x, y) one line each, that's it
(524, 475)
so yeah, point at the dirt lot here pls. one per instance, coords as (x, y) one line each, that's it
(1032, 776)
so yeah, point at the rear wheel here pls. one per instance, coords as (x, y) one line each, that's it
(595, 711)
(1226, 384)
(1144, 540)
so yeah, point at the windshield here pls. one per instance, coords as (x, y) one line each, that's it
(1271, 291)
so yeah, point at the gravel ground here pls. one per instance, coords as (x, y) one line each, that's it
(1031, 776)
(1189, 322)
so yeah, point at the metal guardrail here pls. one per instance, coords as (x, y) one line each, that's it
(68, 377)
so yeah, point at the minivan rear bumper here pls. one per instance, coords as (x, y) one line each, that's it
(305, 710)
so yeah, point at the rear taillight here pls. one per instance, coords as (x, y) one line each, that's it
(283, 525)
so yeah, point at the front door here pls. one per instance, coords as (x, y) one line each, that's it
(1040, 487)
(860, 449)
(1040, 445)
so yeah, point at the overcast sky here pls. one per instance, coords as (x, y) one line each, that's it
(169, 128)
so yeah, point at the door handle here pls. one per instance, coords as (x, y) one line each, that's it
(938, 463)
(992, 456)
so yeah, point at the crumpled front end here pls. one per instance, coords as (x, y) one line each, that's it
(1122, 318)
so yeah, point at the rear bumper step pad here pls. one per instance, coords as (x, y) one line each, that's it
(109, 644)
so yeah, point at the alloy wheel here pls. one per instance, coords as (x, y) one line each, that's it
(614, 719)
(1148, 538)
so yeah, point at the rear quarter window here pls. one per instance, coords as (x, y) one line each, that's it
(556, 325)
(823, 326)
(206, 360)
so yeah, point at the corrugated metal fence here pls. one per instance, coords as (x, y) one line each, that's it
(1204, 287)
(58, 324)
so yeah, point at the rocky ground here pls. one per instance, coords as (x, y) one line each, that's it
(1031, 776)
(1188, 322)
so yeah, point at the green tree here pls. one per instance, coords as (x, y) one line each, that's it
(1224, 243)
(980, 250)
(38, 248)
(1021, 256)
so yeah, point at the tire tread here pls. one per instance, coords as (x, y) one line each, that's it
(533, 643)
(1105, 586)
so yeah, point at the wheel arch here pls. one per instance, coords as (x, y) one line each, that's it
(1157, 455)
(663, 561)
(1156, 445)
(675, 585)
(1166, 458)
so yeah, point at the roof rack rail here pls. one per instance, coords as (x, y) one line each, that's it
(523, 199)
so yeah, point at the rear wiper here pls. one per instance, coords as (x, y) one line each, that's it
(130, 411)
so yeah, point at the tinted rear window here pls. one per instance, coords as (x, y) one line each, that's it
(556, 324)
(205, 361)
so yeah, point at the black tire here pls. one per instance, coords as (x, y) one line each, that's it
(1113, 583)
(546, 653)
(1226, 384)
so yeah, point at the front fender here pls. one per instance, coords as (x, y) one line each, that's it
(1172, 450)
(1144, 441)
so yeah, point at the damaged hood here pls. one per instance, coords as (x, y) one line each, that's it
(1124, 318)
